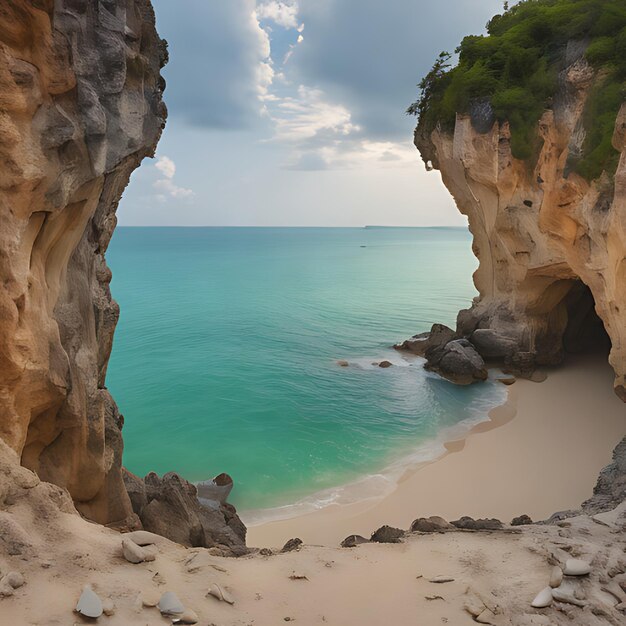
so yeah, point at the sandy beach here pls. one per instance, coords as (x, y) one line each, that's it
(539, 453)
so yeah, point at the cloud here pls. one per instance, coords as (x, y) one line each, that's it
(219, 62)
(369, 55)
(284, 14)
(307, 115)
(165, 184)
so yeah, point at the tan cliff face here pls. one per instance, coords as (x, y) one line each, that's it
(80, 107)
(542, 235)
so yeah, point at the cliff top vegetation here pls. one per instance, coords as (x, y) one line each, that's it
(515, 68)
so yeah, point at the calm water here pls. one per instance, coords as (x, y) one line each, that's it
(225, 354)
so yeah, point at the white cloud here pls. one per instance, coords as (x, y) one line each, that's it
(166, 166)
(284, 14)
(309, 114)
(165, 184)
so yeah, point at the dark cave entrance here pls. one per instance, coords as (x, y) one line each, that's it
(584, 332)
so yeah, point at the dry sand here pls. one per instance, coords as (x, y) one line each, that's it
(546, 458)
(541, 452)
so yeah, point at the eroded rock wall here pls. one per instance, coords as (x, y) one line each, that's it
(539, 231)
(80, 107)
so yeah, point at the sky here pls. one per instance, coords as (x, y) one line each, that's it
(292, 113)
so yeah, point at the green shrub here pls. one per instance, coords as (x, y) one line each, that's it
(515, 66)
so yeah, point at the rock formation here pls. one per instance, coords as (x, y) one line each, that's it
(80, 107)
(551, 246)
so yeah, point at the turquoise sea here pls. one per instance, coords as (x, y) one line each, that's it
(225, 355)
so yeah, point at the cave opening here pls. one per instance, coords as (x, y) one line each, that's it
(584, 331)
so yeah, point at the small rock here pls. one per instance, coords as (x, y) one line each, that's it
(265, 552)
(387, 534)
(351, 541)
(473, 604)
(188, 617)
(576, 567)
(169, 604)
(343, 363)
(295, 576)
(135, 554)
(563, 596)
(292, 544)
(441, 579)
(221, 594)
(432, 524)
(469, 523)
(556, 576)
(522, 520)
(108, 607)
(14, 579)
(507, 381)
(143, 537)
(385, 364)
(486, 617)
(542, 599)
(6, 590)
(434, 597)
(89, 604)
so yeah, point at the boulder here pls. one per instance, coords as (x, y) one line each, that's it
(457, 361)
(522, 520)
(469, 523)
(385, 364)
(387, 534)
(610, 489)
(432, 524)
(438, 335)
(490, 344)
(351, 541)
(292, 544)
(169, 506)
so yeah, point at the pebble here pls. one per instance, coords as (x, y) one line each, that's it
(14, 579)
(89, 604)
(188, 617)
(486, 617)
(143, 537)
(221, 594)
(576, 567)
(556, 576)
(542, 599)
(108, 607)
(169, 604)
(134, 553)
(441, 579)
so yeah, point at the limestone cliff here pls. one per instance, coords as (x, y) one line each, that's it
(551, 245)
(80, 107)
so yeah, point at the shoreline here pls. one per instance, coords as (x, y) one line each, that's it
(538, 452)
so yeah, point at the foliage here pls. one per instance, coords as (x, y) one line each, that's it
(516, 67)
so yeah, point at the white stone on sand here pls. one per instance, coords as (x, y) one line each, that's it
(576, 567)
(542, 599)
(89, 604)
(556, 576)
(221, 594)
(169, 604)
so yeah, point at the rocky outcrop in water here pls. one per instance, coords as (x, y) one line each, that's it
(551, 245)
(80, 107)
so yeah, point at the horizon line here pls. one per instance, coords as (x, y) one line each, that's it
(364, 227)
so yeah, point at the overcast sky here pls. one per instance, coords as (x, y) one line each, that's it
(292, 113)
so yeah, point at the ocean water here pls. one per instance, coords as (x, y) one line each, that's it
(225, 355)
